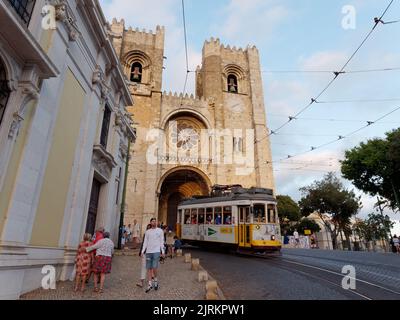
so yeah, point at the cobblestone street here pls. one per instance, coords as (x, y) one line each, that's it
(177, 282)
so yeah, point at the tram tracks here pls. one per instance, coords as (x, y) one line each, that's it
(365, 290)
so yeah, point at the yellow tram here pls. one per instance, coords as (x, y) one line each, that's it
(244, 219)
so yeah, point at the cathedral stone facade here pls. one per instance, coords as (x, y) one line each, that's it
(186, 144)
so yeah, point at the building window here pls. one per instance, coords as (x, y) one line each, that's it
(232, 84)
(237, 144)
(24, 9)
(105, 127)
(4, 91)
(136, 72)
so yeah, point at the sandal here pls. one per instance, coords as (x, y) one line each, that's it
(139, 285)
(101, 291)
(96, 290)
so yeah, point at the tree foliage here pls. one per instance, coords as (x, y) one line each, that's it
(332, 202)
(288, 209)
(375, 227)
(306, 224)
(374, 167)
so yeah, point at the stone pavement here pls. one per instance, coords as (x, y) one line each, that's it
(177, 282)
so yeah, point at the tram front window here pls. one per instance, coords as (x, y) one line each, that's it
(271, 213)
(259, 213)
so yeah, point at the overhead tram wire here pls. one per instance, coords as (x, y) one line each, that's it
(312, 71)
(342, 137)
(336, 75)
(186, 52)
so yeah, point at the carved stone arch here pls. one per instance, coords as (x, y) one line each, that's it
(134, 57)
(233, 70)
(188, 113)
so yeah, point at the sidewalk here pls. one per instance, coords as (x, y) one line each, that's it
(177, 282)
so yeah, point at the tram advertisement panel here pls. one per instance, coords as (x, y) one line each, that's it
(265, 232)
(213, 233)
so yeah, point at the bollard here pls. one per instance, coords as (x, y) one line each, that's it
(179, 253)
(211, 286)
(211, 296)
(195, 264)
(211, 290)
(188, 258)
(203, 276)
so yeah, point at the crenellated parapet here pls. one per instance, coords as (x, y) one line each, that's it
(140, 36)
(215, 47)
(184, 99)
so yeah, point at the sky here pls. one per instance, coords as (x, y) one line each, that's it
(293, 35)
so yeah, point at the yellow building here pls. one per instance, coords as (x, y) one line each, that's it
(185, 144)
(64, 136)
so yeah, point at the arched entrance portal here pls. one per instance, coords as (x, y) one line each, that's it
(178, 185)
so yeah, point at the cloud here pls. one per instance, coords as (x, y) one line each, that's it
(252, 20)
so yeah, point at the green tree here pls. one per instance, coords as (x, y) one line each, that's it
(374, 167)
(375, 227)
(288, 208)
(333, 204)
(306, 224)
(288, 211)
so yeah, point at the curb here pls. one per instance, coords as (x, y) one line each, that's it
(220, 294)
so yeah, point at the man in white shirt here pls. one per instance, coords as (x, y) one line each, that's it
(153, 246)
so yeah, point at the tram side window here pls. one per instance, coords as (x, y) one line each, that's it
(201, 216)
(227, 215)
(259, 213)
(194, 216)
(218, 215)
(209, 216)
(271, 213)
(187, 217)
(179, 216)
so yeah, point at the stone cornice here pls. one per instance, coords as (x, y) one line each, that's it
(64, 14)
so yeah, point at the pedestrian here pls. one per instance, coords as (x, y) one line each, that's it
(129, 230)
(143, 262)
(170, 243)
(98, 235)
(296, 238)
(83, 263)
(153, 246)
(103, 260)
(135, 233)
(285, 239)
(396, 243)
(177, 244)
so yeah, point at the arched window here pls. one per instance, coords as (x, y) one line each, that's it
(4, 90)
(232, 84)
(136, 72)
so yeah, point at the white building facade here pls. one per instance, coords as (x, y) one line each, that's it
(64, 136)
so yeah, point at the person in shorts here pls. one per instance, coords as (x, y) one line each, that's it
(153, 246)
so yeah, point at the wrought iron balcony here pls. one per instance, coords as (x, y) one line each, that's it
(24, 9)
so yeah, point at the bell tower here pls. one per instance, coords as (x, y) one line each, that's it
(231, 77)
(141, 54)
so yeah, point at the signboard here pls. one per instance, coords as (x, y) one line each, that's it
(307, 232)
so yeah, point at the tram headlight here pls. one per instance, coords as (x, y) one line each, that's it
(273, 238)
